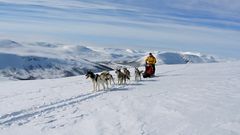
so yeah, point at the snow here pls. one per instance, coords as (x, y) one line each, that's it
(34, 67)
(43, 60)
(64, 51)
(187, 99)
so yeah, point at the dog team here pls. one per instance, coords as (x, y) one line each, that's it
(105, 78)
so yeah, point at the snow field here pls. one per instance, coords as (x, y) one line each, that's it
(192, 99)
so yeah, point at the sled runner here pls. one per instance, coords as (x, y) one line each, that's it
(148, 71)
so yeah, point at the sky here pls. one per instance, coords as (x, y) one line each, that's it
(211, 27)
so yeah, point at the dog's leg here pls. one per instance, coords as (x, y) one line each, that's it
(112, 80)
(107, 84)
(141, 73)
(109, 81)
(125, 80)
(119, 81)
(97, 85)
(94, 88)
(103, 86)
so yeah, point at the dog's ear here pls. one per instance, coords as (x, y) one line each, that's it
(89, 72)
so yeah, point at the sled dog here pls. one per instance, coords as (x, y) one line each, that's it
(107, 76)
(127, 73)
(138, 74)
(96, 80)
(121, 77)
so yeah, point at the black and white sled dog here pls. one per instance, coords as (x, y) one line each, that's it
(127, 72)
(107, 76)
(138, 74)
(121, 77)
(97, 80)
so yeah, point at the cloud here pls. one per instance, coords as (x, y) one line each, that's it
(208, 26)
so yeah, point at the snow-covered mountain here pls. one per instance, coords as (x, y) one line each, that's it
(41, 60)
(35, 67)
(190, 99)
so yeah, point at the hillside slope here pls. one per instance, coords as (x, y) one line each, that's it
(42, 60)
(191, 99)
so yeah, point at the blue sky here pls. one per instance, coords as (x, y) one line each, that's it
(182, 25)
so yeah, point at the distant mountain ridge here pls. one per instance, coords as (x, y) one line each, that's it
(42, 60)
(35, 67)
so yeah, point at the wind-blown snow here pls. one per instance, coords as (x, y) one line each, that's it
(190, 99)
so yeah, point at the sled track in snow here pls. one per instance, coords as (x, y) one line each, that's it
(24, 116)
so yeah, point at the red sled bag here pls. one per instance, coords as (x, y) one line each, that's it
(148, 71)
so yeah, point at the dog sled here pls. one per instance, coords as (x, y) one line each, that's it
(149, 71)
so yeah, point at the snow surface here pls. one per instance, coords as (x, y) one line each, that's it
(189, 99)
